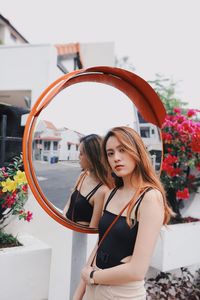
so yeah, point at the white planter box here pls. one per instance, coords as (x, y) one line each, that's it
(25, 270)
(178, 246)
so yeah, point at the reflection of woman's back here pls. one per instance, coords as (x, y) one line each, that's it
(80, 208)
(86, 201)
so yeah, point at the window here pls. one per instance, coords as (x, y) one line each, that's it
(46, 145)
(13, 37)
(76, 147)
(55, 145)
(140, 118)
(68, 146)
(145, 132)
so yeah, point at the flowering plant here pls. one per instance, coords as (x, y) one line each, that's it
(181, 163)
(13, 192)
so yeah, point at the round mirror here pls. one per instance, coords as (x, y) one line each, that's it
(78, 104)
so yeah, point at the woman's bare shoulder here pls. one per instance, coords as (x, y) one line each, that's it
(103, 190)
(107, 193)
(153, 195)
(79, 177)
(152, 202)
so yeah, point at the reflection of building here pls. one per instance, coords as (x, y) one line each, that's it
(151, 137)
(69, 144)
(52, 144)
(46, 142)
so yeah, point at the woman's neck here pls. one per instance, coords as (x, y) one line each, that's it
(91, 175)
(130, 182)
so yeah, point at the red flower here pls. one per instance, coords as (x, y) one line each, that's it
(10, 200)
(170, 159)
(184, 194)
(195, 144)
(180, 119)
(191, 177)
(167, 137)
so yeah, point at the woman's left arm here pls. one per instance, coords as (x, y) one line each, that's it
(151, 215)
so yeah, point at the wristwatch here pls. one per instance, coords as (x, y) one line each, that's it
(91, 277)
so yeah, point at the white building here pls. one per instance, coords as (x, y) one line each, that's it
(8, 33)
(46, 142)
(68, 146)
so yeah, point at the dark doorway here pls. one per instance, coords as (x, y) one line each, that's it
(11, 133)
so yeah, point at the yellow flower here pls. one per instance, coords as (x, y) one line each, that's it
(20, 178)
(8, 185)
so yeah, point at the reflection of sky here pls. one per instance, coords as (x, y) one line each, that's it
(89, 108)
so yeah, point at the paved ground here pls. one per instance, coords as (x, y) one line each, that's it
(57, 180)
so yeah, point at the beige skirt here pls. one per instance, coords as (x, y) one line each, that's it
(132, 291)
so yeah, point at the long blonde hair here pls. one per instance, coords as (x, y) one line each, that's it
(144, 169)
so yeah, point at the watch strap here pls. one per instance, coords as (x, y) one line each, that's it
(91, 276)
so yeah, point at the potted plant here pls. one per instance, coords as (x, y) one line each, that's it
(179, 244)
(23, 252)
(184, 285)
(13, 196)
(181, 162)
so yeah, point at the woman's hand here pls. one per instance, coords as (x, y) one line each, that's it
(85, 274)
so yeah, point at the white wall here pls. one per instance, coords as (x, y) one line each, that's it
(72, 137)
(34, 67)
(58, 238)
(97, 54)
(28, 67)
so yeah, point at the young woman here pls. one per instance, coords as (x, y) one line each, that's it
(86, 201)
(123, 258)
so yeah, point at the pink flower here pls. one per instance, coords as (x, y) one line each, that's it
(191, 112)
(177, 110)
(25, 188)
(180, 119)
(29, 216)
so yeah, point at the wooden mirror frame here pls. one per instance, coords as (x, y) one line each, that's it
(137, 89)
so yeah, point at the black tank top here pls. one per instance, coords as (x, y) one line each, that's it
(120, 241)
(80, 208)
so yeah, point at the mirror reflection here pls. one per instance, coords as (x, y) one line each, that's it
(67, 136)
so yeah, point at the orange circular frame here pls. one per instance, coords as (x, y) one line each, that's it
(137, 89)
